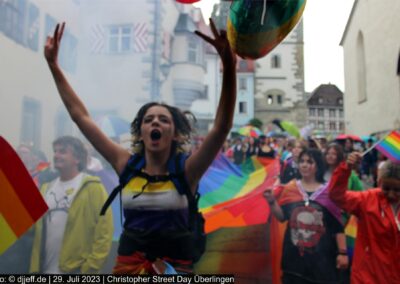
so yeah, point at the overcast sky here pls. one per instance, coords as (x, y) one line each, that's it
(324, 23)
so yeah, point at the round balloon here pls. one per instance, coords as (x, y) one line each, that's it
(255, 27)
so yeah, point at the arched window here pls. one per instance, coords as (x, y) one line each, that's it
(361, 70)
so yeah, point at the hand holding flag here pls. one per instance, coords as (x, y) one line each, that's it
(388, 146)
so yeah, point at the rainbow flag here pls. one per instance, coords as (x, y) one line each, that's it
(390, 146)
(231, 196)
(21, 203)
(277, 234)
(241, 251)
(236, 217)
(351, 233)
(41, 167)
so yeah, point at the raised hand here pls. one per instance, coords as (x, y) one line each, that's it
(220, 42)
(52, 45)
(353, 159)
(269, 195)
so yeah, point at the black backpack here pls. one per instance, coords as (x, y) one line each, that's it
(176, 175)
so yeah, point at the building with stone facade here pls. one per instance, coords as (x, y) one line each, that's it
(325, 110)
(279, 81)
(371, 50)
(278, 77)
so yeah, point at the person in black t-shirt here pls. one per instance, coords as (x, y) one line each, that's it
(314, 245)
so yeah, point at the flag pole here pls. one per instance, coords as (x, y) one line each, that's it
(374, 145)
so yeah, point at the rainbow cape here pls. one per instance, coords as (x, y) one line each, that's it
(21, 203)
(291, 193)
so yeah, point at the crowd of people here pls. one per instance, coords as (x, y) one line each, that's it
(318, 183)
(316, 187)
(240, 148)
(312, 174)
(319, 187)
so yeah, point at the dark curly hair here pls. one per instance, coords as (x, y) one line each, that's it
(183, 126)
(315, 155)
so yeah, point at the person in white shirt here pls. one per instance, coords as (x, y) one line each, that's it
(72, 237)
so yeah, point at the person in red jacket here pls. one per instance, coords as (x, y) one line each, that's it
(377, 248)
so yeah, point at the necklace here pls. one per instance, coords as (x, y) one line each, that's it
(313, 196)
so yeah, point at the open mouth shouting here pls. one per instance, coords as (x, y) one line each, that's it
(155, 135)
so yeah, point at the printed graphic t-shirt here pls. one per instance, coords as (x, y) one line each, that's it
(59, 198)
(310, 248)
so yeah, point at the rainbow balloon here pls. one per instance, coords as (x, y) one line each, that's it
(255, 27)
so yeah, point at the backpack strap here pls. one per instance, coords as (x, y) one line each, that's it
(181, 184)
(132, 168)
(176, 170)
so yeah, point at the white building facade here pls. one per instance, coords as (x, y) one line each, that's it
(371, 54)
(244, 110)
(116, 54)
(279, 81)
(29, 102)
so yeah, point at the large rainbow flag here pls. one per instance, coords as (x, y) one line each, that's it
(390, 146)
(231, 196)
(236, 219)
(21, 203)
